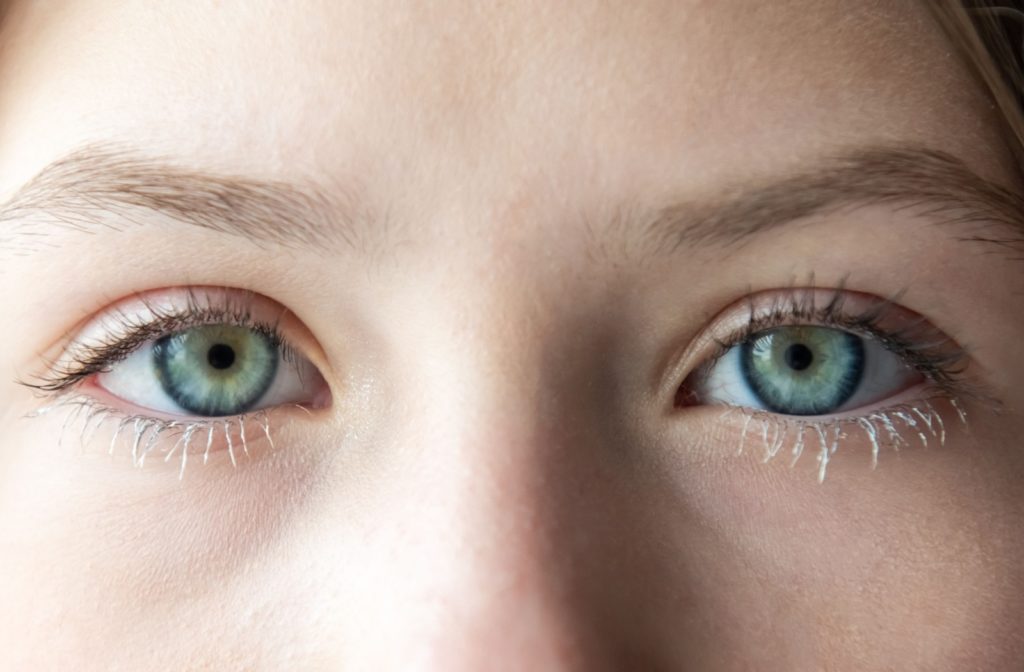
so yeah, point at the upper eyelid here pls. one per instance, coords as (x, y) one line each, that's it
(115, 332)
(239, 306)
(707, 345)
(116, 312)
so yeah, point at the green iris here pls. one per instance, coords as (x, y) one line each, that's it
(803, 370)
(216, 370)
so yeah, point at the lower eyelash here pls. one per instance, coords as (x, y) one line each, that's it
(894, 427)
(145, 436)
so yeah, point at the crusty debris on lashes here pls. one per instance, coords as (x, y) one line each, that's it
(893, 428)
(145, 436)
(888, 428)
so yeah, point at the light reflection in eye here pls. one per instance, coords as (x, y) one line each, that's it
(805, 370)
(212, 371)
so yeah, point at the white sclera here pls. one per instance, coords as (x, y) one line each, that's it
(134, 380)
(885, 374)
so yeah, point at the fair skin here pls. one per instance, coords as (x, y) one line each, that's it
(497, 472)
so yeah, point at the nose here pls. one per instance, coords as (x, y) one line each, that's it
(495, 545)
(475, 540)
(493, 571)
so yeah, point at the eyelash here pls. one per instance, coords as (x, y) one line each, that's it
(922, 347)
(63, 379)
(86, 360)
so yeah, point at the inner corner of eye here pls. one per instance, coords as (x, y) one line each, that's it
(686, 396)
(690, 391)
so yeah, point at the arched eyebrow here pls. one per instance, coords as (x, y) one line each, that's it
(99, 188)
(82, 190)
(927, 183)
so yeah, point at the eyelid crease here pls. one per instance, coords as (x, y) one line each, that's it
(120, 333)
(918, 343)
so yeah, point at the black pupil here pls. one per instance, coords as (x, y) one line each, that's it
(799, 357)
(221, 356)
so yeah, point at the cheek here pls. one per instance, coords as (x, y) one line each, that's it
(916, 560)
(112, 560)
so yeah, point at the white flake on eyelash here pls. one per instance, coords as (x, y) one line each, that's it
(961, 413)
(881, 429)
(241, 434)
(746, 426)
(71, 417)
(823, 454)
(776, 445)
(145, 434)
(231, 446)
(798, 447)
(138, 437)
(148, 448)
(209, 443)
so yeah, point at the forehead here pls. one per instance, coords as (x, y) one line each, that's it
(444, 95)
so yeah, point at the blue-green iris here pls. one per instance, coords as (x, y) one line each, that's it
(803, 370)
(216, 370)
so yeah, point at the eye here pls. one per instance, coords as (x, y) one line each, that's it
(212, 371)
(804, 370)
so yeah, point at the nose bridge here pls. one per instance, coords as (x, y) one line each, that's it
(484, 451)
(502, 580)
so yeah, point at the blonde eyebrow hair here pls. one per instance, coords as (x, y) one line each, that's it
(924, 182)
(78, 190)
(81, 190)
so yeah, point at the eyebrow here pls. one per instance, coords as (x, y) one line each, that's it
(81, 190)
(925, 182)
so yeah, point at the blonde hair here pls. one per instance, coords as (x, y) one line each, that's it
(989, 35)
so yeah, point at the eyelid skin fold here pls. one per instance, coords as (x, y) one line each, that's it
(921, 345)
(117, 331)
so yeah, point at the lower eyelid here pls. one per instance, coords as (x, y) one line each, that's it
(919, 418)
(167, 443)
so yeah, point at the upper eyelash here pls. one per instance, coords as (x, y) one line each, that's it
(84, 360)
(920, 345)
(923, 347)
